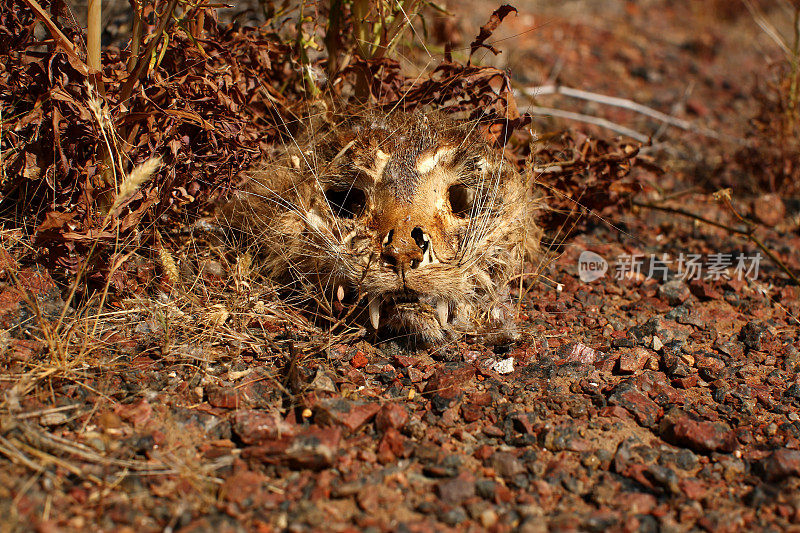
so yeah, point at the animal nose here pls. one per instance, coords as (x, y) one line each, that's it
(405, 249)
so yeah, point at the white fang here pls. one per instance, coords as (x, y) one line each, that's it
(442, 312)
(375, 312)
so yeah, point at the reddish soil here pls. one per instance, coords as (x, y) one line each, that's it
(628, 403)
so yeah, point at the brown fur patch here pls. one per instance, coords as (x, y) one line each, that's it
(416, 213)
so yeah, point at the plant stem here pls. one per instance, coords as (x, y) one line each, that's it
(93, 30)
(305, 63)
(142, 61)
(795, 72)
(333, 39)
(136, 36)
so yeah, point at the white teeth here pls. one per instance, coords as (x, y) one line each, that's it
(340, 293)
(441, 312)
(375, 312)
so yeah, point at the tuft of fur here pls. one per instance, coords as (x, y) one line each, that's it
(414, 218)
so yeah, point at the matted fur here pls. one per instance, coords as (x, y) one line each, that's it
(415, 218)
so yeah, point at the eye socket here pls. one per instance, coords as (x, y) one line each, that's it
(462, 200)
(346, 203)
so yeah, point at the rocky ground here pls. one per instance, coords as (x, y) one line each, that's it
(639, 401)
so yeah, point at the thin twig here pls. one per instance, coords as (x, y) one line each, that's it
(624, 103)
(8, 449)
(136, 37)
(50, 410)
(597, 121)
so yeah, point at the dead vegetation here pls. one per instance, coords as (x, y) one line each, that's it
(143, 355)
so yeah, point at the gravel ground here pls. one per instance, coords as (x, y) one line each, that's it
(654, 398)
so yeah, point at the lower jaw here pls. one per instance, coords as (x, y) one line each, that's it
(415, 322)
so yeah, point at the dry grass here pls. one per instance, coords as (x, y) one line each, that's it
(185, 315)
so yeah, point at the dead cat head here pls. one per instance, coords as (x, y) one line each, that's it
(414, 218)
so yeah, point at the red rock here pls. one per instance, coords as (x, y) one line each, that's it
(675, 292)
(638, 502)
(36, 282)
(482, 399)
(455, 491)
(416, 375)
(628, 463)
(577, 352)
(692, 488)
(493, 431)
(391, 415)
(544, 490)
(607, 364)
(578, 444)
(405, 361)
(643, 409)
(7, 262)
(391, 445)
(699, 435)
(9, 303)
(471, 412)
(614, 412)
(483, 452)
(709, 362)
(322, 488)
(223, 397)
(313, 447)
(781, 464)
(450, 416)
(368, 499)
(524, 422)
(24, 349)
(244, 486)
(633, 359)
(502, 494)
(704, 290)
(136, 414)
(354, 376)
(254, 427)
(657, 387)
(769, 209)
(685, 383)
(450, 377)
(359, 360)
(348, 414)
(339, 351)
(216, 448)
(506, 464)
(524, 353)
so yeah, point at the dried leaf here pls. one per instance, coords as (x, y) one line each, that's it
(487, 29)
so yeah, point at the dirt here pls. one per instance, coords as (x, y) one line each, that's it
(657, 397)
